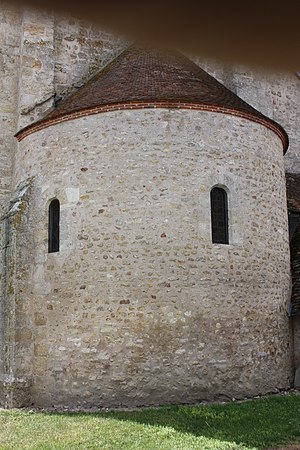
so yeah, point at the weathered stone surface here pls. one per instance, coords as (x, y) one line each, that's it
(57, 56)
(10, 33)
(16, 325)
(80, 51)
(36, 84)
(277, 95)
(14, 392)
(139, 307)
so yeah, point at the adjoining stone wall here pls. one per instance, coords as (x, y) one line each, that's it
(36, 84)
(16, 324)
(278, 96)
(81, 50)
(10, 23)
(275, 94)
(57, 56)
(42, 57)
(139, 307)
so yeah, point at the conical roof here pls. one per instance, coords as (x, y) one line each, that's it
(147, 78)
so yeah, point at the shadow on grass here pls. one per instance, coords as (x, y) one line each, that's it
(264, 423)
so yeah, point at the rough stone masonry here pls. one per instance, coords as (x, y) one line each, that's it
(138, 307)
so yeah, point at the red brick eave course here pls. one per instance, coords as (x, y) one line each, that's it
(260, 119)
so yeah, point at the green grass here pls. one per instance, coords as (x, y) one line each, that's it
(258, 424)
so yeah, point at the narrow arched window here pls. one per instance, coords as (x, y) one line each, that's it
(53, 226)
(219, 216)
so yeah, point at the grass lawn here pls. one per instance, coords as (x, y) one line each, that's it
(257, 424)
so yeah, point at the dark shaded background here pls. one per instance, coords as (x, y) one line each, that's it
(258, 32)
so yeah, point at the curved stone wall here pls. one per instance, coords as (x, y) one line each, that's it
(139, 307)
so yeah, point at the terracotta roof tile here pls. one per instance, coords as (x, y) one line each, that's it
(141, 77)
